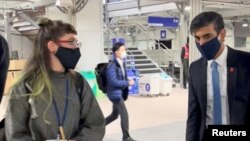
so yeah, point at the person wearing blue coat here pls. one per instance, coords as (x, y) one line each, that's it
(117, 88)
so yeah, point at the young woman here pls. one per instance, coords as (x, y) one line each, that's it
(44, 103)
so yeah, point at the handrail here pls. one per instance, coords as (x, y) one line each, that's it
(166, 49)
(157, 64)
(140, 26)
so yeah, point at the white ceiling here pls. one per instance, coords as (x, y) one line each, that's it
(230, 9)
(24, 4)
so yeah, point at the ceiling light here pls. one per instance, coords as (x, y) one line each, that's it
(245, 25)
(187, 8)
(64, 3)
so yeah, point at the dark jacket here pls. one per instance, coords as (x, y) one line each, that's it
(238, 90)
(117, 85)
(4, 64)
(25, 121)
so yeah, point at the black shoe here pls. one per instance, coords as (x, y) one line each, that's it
(128, 139)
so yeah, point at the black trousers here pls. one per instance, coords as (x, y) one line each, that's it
(2, 131)
(119, 108)
(185, 72)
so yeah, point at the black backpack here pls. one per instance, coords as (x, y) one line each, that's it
(100, 72)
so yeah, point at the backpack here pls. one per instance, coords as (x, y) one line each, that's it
(100, 72)
(78, 80)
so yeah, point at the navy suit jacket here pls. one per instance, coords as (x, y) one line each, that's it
(238, 88)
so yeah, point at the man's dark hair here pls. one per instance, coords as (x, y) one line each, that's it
(117, 46)
(206, 18)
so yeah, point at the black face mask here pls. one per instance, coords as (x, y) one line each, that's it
(210, 48)
(68, 57)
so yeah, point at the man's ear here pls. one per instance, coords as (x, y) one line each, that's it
(116, 53)
(223, 34)
(52, 46)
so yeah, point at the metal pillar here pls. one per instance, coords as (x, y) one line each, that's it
(195, 10)
(7, 29)
(107, 32)
(72, 14)
(182, 36)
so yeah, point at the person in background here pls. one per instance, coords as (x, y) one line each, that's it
(185, 62)
(45, 103)
(219, 82)
(117, 89)
(4, 65)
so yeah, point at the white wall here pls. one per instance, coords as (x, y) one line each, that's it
(229, 40)
(89, 25)
(54, 13)
(90, 32)
(22, 44)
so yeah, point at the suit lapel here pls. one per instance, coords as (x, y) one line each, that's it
(231, 86)
(231, 78)
(203, 83)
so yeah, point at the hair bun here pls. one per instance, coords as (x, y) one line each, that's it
(44, 21)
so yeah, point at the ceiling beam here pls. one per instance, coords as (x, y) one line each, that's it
(233, 13)
(142, 10)
(40, 3)
(19, 0)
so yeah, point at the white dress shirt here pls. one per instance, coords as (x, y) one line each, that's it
(222, 69)
(121, 64)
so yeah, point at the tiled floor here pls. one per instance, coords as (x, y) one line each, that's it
(153, 118)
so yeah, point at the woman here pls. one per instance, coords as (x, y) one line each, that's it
(44, 103)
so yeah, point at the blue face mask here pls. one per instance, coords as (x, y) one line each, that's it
(210, 48)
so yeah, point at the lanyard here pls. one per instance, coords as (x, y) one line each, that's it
(60, 121)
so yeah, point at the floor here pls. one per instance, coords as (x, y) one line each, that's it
(152, 118)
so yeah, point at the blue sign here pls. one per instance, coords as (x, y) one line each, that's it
(163, 34)
(116, 40)
(163, 21)
(134, 89)
(147, 87)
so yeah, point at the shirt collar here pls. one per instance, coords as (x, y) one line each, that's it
(119, 61)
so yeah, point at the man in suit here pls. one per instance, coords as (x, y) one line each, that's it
(117, 88)
(219, 82)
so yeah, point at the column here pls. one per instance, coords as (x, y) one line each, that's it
(7, 31)
(194, 54)
(182, 37)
